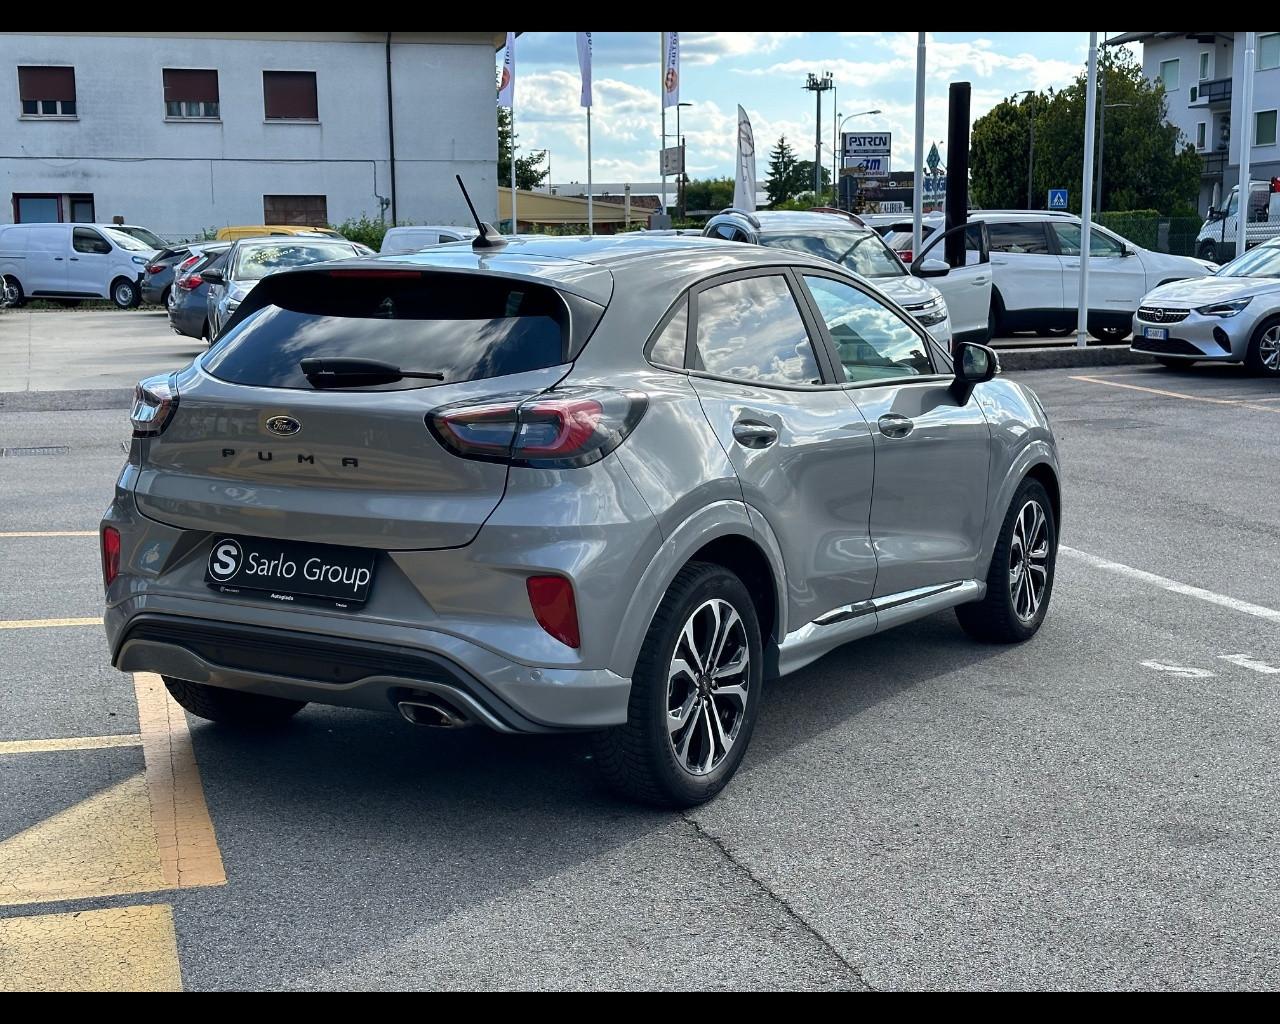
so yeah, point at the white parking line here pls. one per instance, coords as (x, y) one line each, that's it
(1235, 604)
(1244, 661)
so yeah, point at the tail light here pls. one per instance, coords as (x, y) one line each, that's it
(187, 264)
(155, 268)
(110, 554)
(191, 282)
(1275, 184)
(551, 598)
(906, 255)
(154, 402)
(552, 430)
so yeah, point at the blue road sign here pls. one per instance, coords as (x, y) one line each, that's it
(1057, 198)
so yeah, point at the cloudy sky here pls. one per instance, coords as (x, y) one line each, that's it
(765, 72)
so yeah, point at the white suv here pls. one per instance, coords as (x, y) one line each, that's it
(1035, 264)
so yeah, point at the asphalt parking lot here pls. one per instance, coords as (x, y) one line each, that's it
(1094, 809)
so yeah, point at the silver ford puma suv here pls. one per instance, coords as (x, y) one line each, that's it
(610, 484)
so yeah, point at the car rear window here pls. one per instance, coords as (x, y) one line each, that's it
(463, 326)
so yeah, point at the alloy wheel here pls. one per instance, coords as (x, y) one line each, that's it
(1269, 350)
(708, 686)
(1029, 561)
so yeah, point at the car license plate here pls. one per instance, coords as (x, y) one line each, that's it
(285, 570)
(1162, 333)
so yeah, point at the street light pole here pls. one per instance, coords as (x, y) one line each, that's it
(1031, 149)
(818, 86)
(683, 177)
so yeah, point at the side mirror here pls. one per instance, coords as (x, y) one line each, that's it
(1212, 214)
(930, 268)
(213, 277)
(974, 364)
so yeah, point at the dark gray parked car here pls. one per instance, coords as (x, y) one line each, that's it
(188, 310)
(609, 484)
(157, 279)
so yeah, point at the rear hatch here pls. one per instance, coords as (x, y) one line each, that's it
(257, 447)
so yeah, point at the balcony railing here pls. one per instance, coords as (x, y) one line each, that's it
(1213, 164)
(1217, 90)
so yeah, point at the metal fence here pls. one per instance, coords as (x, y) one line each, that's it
(1148, 229)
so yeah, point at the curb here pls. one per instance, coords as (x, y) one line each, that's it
(63, 401)
(1067, 356)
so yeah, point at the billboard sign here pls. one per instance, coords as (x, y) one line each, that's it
(673, 160)
(867, 154)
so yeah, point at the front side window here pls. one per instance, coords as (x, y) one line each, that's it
(1264, 128)
(863, 251)
(669, 348)
(88, 240)
(1099, 244)
(871, 340)
(1169, 74)
(751, 330)
(190, 93)
(1269, 51)
(1028, 238)
(47, 91)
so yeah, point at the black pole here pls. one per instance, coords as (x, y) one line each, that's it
(391, 132)
(957, 170)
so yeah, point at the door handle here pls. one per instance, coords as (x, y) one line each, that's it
(750, 434)
(75, 259)
(894, 425)
(978, 282)
(57, 259)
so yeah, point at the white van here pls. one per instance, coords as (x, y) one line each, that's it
(1220, 232)
(413, 237)
(73, 261)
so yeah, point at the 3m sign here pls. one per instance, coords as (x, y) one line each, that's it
(867, 153)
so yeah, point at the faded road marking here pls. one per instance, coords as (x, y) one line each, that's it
(1178, 394)
(1235, 604)
(50, 533)
(1244, 661)
(188, 847)
(125, 949)
(46, 623)
(1185, 671)
(69, 743)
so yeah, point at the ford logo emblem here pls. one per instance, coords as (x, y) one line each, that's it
(284, 426)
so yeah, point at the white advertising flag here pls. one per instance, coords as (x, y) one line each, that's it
(507, 85)
(744, 185)
(671, 69)
(584, 66)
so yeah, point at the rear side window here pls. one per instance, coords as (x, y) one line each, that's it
(669, 348)
(750, 330)
(1018, 238)
(465, 327)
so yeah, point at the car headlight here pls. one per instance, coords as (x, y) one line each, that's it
(932, 312)
(1225, 309)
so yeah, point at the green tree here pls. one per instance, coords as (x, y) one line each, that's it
(530, 174)
(1147, 164)
(782, 162)
(708, 194)
(802, 179)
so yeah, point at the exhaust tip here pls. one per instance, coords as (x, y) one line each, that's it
(435, 714)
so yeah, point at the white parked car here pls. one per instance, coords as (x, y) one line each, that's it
(1231, 317)
(412, 237)
(1035, 265)
(73, 261)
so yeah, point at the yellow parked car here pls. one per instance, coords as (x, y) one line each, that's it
(257, 230)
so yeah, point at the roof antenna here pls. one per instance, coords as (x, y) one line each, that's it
(488, 237)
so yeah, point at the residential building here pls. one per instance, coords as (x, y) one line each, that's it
(185, 131)
(1202, 73)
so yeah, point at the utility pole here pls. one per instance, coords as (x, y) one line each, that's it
(1245, 135)
(818, 86)
(1086, 205)
(1031, 149)
(917, 193)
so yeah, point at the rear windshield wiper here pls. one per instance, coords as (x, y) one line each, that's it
(345, 373)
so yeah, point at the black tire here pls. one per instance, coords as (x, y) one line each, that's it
(1110, 334)
(204, 334)
(994, 619)
(232, 707)
(637, 759)
(166, 296)
(995, 317)
(1175, 364)
(125, 293)
(1255, 360)
(16, 285)
(1208, 251)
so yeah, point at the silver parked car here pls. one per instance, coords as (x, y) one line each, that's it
(608, 484)
(1232, 316)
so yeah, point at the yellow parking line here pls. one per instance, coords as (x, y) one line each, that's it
(189, 852)
(69, 743)
(49, 533)
(123, 949)
(1178, 394)
(46, 623)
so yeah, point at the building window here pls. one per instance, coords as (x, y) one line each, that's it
(1264, 128)
(190, 93)
(1269, 51)
(47, 91)
(290, 95)
(302, 211)
(1169, 74)
(1202, 129)
(1206, 65)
